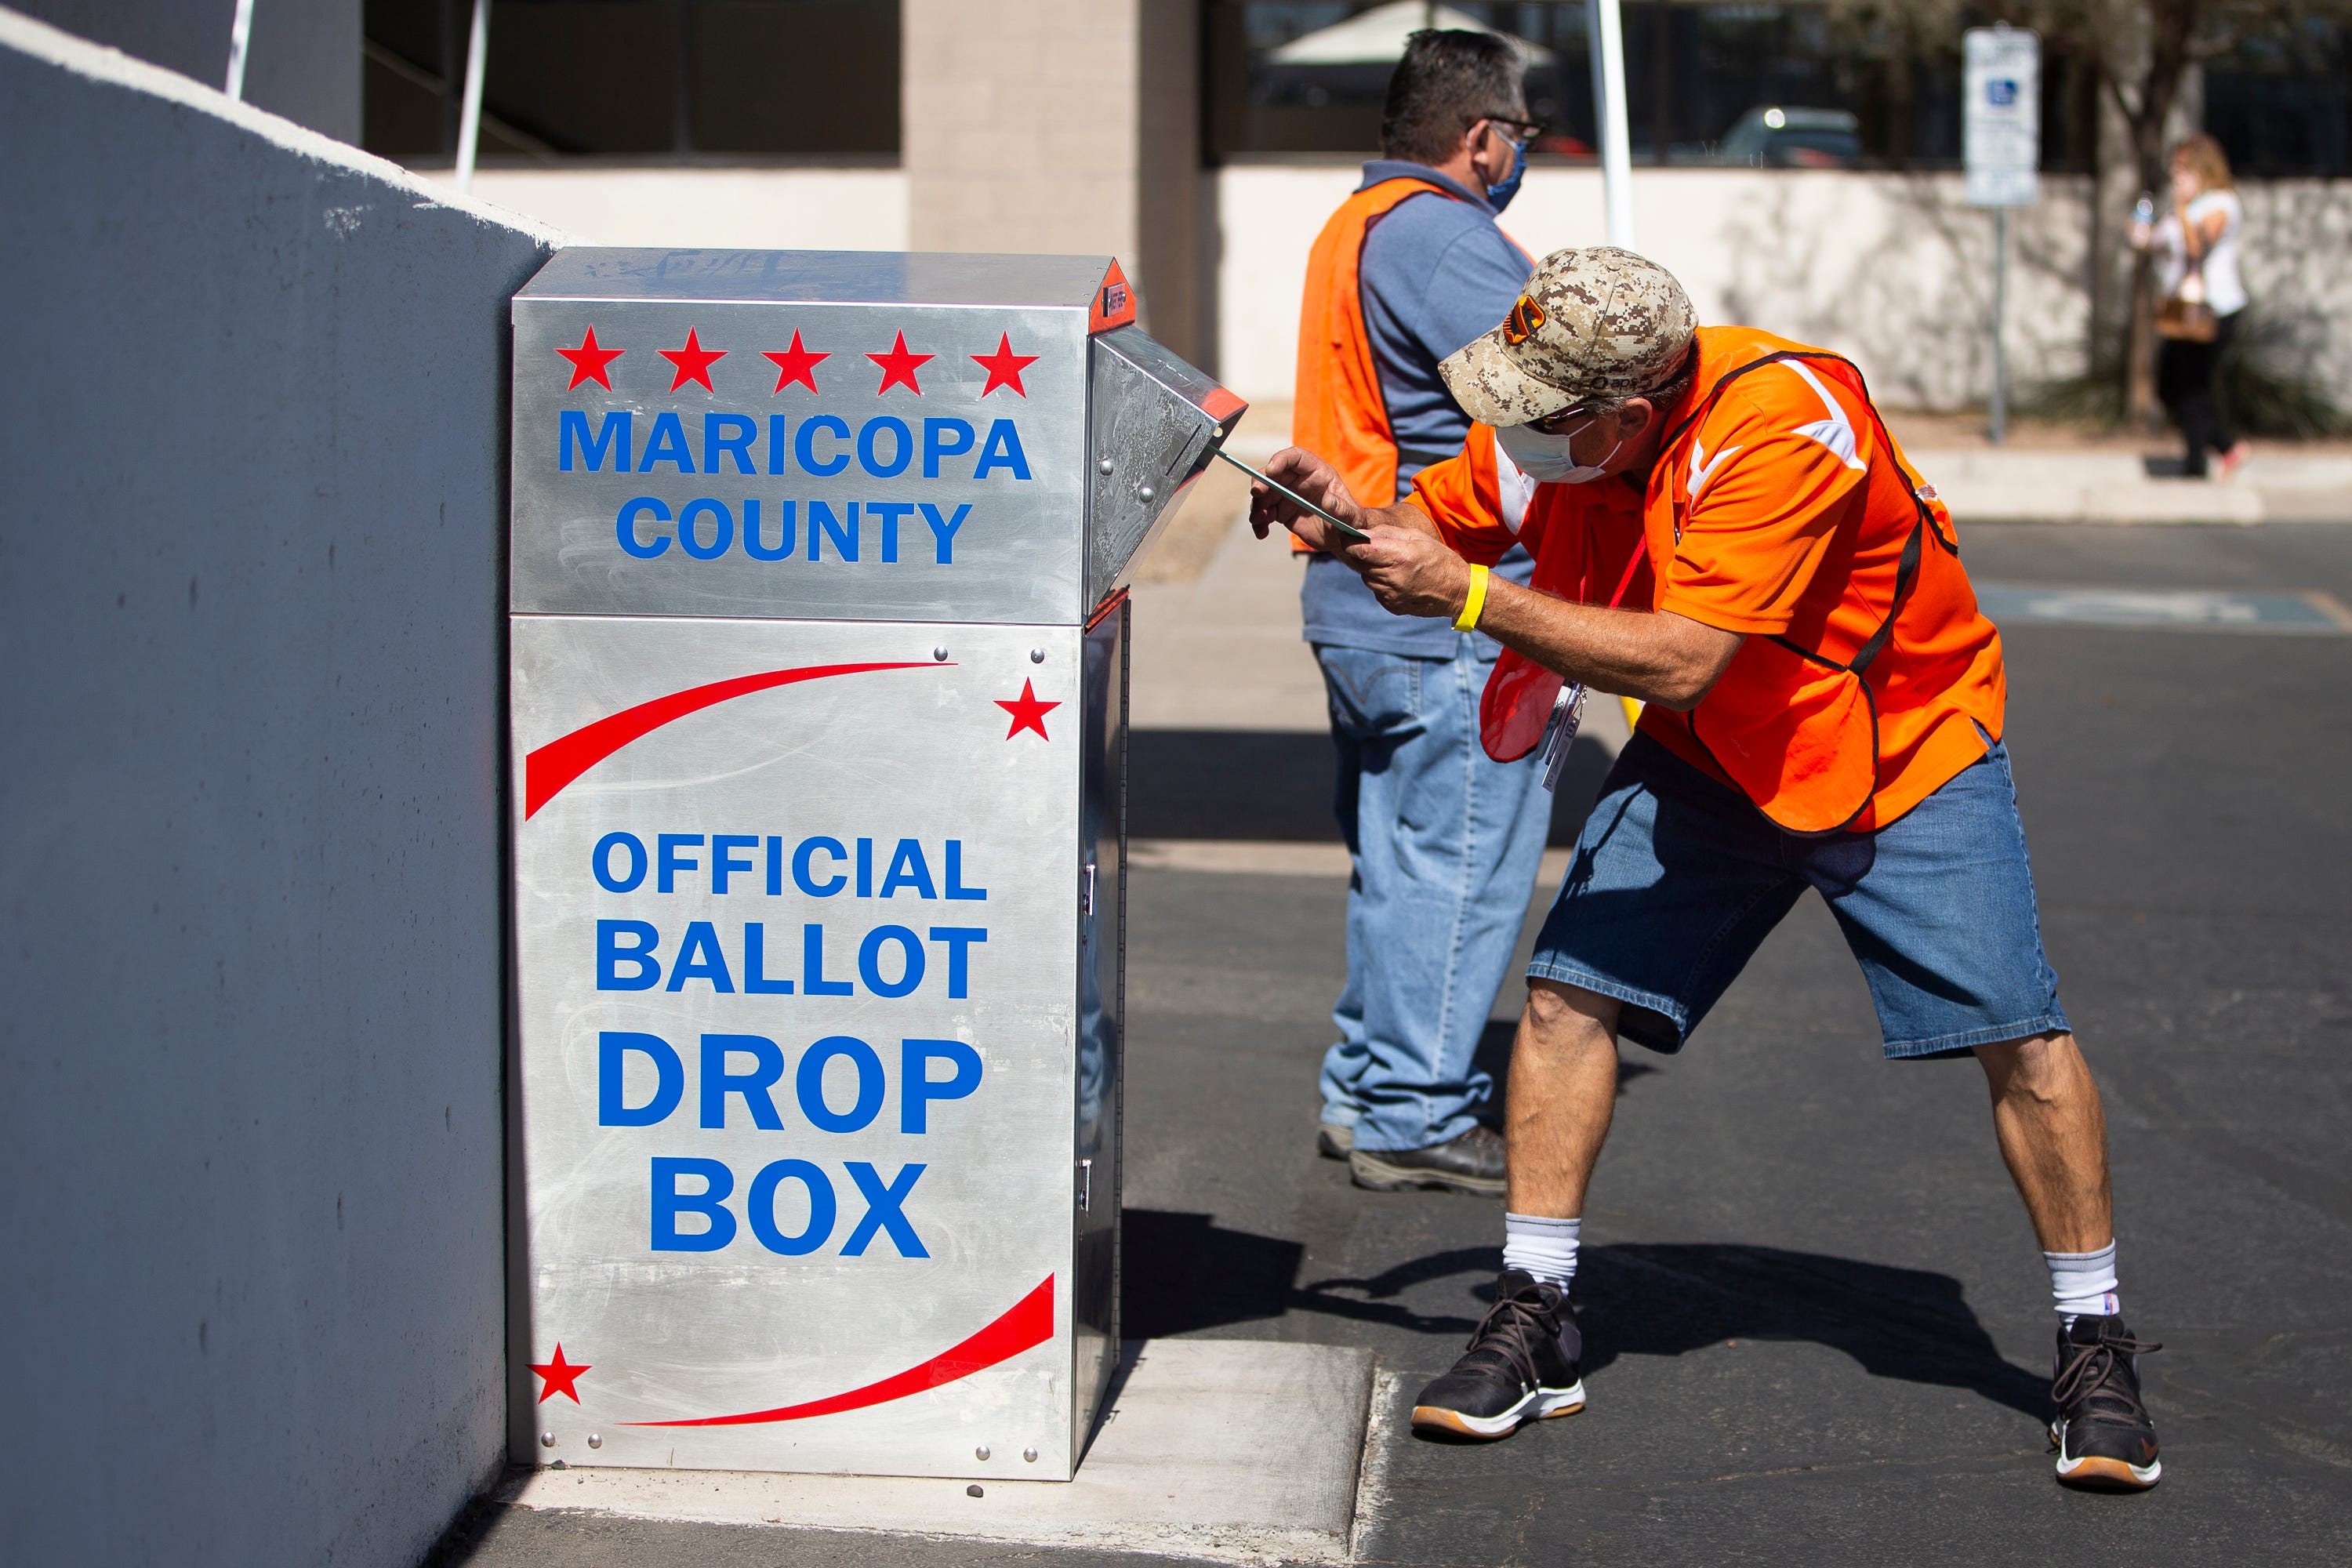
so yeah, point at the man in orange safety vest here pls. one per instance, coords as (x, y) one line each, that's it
(1445, 841)
(1724, 528)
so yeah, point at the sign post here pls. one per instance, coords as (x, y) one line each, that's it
(2002, 143)
(1605, 28)
(818, 661)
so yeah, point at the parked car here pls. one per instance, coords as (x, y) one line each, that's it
(1777, 138)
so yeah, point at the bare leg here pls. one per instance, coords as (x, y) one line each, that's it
(2053, 1138)
(1563, 1091)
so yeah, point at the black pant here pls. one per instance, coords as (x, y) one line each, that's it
(2185, 373)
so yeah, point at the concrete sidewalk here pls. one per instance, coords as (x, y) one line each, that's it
(2038, 485)
(1221, 1451)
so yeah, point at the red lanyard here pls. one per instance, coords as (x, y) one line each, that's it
(1593, 548)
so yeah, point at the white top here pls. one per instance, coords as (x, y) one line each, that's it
(2224, 289)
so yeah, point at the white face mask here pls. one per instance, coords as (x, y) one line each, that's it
(1547, 459)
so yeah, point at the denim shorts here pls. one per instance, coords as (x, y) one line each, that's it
(1678, 878)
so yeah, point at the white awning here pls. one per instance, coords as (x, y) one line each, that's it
(1378, 36)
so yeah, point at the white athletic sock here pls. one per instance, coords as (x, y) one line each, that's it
(2083, 1284)
(1544, 1248)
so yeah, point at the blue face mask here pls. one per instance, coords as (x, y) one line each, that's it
(1499, 196)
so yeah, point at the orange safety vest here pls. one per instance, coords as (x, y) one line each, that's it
(1340, 413)
(1795, 722)
(1796, 726)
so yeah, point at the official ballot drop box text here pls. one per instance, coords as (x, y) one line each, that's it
(819, 653)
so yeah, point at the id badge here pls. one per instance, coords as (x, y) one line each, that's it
(1559, 733)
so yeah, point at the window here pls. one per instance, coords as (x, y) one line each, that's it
(1778, 85)
(1289, 77)
(657, 79)
(2282, 103)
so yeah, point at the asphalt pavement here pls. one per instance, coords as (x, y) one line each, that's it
(1817, 1322)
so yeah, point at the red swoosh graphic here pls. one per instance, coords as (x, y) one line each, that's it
(1029, 1322)
(547, 770)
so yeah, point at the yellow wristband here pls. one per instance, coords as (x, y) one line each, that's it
(1467, 621)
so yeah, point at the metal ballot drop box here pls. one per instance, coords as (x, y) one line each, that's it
(819, 666)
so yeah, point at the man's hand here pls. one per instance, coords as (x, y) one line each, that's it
(1408, 569)
(1319, 482)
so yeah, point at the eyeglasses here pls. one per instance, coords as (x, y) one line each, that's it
(1551, 423)
(1517, 132)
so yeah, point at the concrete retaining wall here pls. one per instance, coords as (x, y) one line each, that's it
(251, 585)
(1892, 269)
(1887, 269)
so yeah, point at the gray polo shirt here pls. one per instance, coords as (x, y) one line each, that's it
(1433, 275)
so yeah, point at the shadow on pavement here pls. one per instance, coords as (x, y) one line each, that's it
(1909, 1324)
(1266, 784)
(1276, 786)
(1181, 1273)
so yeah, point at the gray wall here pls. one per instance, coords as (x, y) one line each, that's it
(302, 58)
(250, 886)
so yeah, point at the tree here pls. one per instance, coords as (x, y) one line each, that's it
(1897, 37)
(2141, 50)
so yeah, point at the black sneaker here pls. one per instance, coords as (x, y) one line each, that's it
(1521, 1366)
(2104, 1439)
(1471, 1164)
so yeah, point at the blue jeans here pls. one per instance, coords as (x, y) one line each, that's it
(1445, 842)
(1678, 878)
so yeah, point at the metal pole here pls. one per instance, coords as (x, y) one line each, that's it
(1606, 31)
(240, 33)
(2000, 431)
(469, 122)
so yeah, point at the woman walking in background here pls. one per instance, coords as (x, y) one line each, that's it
(2200, 298)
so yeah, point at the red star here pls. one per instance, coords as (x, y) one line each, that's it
(588, 362)
(796, 365)
(561, 1375)
(1028, 713)
(693, 361)
(1005, 366)
(899, 368)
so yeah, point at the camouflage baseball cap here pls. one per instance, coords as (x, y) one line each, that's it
(1598, 325)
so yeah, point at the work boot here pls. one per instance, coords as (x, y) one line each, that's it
(2104, 1439)
(1471, 1164)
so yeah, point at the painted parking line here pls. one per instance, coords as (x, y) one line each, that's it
(2310, 614)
